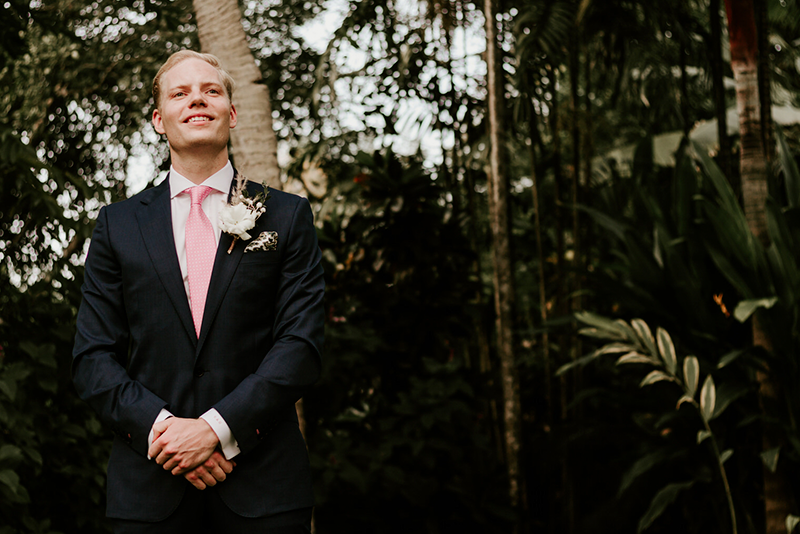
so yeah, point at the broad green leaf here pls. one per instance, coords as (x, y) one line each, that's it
(730, 357)
(655, 376)
(791, 523)
(791, 175)
(635, 357)
(644, 464)
(9, 388)
(645, 335)
(10, 479)
(667, 350)
(727, 196)
(10, 454)
(741, 281)
(691, 375)
(728, 392)
(661, 501)
(725, 455)
(736, 242)
(702, 435)
(770, 458)
(601, 323)
(708, 398)
(611, 348)
(600, 334)
(612, 225)
(746, 308)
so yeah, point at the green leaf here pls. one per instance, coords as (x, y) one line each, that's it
(10, 454)
(11, 480)
(602, 323)
(635, 357)
(746, 308)
(702, 435)
(791, 523)
(661, 501)
(791, 175)
(725, 455)
(683, 399)
(600, 334)
(645, 335)
(644, 464)
(770, 458)
(691, 375)
(730, 357)
(667, 350)
(708, 398)
(611, 348)
(655, 376)
(9, 388)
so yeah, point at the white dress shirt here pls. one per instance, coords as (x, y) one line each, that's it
(180, 205)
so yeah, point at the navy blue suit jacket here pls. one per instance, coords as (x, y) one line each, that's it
(260, 344)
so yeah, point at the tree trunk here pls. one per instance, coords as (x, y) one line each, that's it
(503, 271)
(753, 165)
(253, 141)
(718, 82)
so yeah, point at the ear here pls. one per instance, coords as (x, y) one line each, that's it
(158, 124)
(233, 116)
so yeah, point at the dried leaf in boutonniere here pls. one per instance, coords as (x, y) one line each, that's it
(241, 214)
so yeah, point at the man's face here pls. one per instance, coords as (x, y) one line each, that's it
(195, 112)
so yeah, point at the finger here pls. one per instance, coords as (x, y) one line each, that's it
(161, 426)
(155, 449)
(218, 474)
(227, 466)
(196, 481)
(205, 476)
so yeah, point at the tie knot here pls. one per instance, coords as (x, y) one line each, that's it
(199, 193)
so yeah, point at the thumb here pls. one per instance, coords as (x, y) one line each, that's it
(162, 426)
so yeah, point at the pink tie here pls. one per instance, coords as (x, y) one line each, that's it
(200, 251)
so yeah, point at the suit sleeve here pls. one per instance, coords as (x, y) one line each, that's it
(100, 353)
(294, 361)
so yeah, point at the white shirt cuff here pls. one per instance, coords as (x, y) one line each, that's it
(163, 414)
(228, 444)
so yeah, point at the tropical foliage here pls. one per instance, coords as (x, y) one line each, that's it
(620, 223)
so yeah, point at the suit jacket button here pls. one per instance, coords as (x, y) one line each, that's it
(199, 373)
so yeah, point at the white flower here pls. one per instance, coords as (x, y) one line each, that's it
(237, 219)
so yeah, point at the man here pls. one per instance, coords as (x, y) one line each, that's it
(193, 346)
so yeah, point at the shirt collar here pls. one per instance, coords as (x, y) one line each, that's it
(219, 181)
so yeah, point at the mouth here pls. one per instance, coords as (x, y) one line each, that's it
(198, 118)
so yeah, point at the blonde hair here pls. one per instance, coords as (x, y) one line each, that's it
(183, 55)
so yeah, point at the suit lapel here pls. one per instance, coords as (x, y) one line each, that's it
(155, 223)
(225, 266)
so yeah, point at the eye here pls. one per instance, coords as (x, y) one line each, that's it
(215, 91)
(177, 94)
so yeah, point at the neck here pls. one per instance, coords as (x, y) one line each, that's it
(198, 167)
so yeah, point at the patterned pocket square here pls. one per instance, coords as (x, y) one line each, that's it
(265, 241)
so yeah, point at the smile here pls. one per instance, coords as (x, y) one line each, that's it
(199, 119)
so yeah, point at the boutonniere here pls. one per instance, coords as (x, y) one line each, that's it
(241, 214)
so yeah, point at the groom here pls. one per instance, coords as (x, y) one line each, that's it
(193, 346)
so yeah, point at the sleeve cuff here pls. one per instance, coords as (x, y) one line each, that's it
(228, 444)
(163, 414)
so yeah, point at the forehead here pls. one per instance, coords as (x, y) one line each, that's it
(190, 71)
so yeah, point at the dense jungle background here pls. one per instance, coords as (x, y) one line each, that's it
(561, 250)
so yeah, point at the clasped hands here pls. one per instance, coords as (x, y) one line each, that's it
(188, 447)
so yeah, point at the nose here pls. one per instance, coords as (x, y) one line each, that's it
(198, 98)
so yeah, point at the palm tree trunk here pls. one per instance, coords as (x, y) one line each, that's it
(753, 165)
(503, 271)
(717, 80)
(253, 141)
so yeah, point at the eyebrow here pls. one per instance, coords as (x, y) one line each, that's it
(203, 85)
